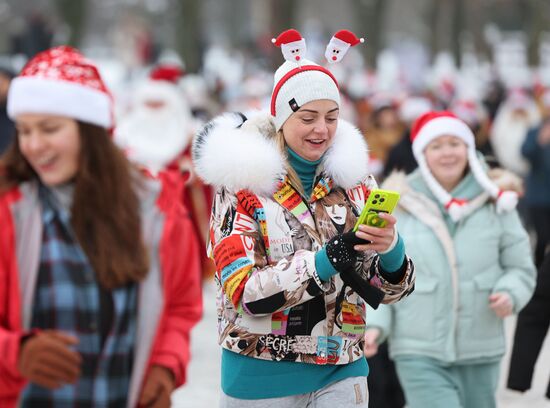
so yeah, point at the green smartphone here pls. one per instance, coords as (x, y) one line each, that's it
(379, 201)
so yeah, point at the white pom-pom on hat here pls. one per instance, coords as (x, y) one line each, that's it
(506, 201)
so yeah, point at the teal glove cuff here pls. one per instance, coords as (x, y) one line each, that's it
(392, 260)
(323, 266)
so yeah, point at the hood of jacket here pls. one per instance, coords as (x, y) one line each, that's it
(241, 153)
(414, 186)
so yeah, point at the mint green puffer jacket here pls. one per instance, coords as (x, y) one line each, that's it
(458, 265)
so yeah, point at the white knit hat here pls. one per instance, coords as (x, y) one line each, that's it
(60, 81)
(432, 125)
(299, 81)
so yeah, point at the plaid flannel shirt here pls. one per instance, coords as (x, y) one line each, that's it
(67, 298)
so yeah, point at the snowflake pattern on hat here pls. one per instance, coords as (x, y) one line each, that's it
(67, 64)
(61, 81)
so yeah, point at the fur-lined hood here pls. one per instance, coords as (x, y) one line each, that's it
(239, 153)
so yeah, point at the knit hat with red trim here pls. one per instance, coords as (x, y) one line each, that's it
(61, 81)
(298, 81)
(432, 125)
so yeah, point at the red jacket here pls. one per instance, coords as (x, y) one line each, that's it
(171, 293)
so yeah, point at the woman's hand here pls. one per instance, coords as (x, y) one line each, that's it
(48, 359)
(501, 303)
(371, 345)
(380, 238)
(158, 387)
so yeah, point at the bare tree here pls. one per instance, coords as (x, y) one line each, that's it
(188, 33)
(535, 20)
(370, 17)
(73, 13)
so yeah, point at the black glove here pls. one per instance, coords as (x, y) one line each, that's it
(360, 285)
(340, 250)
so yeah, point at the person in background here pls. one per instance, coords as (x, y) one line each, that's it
(291, 287)
(383, 132)
(98, 265)
(400, 157)
(515, 116)
(534, 320)
(156, 135)
(474, 268)
(7, 130)
(531, 329)
(536, 150)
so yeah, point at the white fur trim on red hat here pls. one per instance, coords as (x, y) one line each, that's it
(445, 125)
(30, 94)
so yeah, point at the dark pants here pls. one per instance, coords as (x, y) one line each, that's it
(540, 218)
(384, 388)
(532, 327)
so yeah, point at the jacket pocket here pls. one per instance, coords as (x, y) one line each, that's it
(415, 315)
(484, 322)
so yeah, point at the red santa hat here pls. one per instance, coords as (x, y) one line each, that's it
(292, 45)
(287, 37)
(167, 72)
(61, 81)
(432, 125)
(162, 85)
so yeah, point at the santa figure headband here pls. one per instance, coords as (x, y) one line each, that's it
(299, 81)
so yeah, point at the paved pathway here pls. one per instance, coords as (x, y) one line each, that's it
(203, 385)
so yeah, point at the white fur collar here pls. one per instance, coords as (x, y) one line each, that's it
(238, 154)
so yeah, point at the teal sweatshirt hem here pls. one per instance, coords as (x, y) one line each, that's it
(250, 378)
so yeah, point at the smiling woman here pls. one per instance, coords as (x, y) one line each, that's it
(293, 279)
(51, 145)
(447, 158)
(93, 254)
(474, 269)
(309, 133)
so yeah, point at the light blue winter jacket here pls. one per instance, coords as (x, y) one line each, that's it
(458, 266)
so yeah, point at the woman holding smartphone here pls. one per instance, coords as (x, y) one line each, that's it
(287, 317)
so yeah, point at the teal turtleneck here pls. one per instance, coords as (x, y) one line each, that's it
(305, 169)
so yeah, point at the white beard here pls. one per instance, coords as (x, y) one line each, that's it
(507, 136)
(153, 138)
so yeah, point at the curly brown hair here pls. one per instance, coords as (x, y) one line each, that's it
(105, 213)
